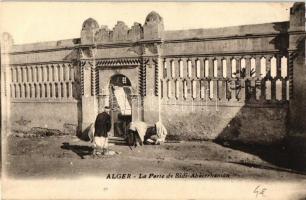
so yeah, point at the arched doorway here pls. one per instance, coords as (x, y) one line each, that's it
(120, 104)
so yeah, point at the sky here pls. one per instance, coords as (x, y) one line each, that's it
(38, 22)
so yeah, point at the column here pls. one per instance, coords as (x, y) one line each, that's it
(215, 90)
(89, 102)
(189, 89)
(19, 78)
(238, 66)
(50, 72)
(241, 95)
(193, 67)
(219, 68)
(39, 72)
(48, 89)
(268, 65)
(257, 66)
(211, 67)
(247, 66)
(70, 89)
(64, 90)
(61, 73)
(168, 69)
(189, 68)
(233, 88)
(28, 89)
(13, 72)
(43, 91)
(228, 67)
(55, 73)
(34, 73)
(53, 90)
(72, 71)
(66, 72)
(32, 91)
(177, 67)
(202, 67)
(17, 91)
(222, 89)
(185, 70)
(24, 74)
(38, 90)
(59, 89)
(22, 91)
(278, 66)
(45, 73)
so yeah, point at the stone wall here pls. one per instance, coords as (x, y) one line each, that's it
(43, 87)
(231, 83)
(251, 125)
(63, 116)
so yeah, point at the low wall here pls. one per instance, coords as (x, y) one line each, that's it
(62, 116)
(246, 124)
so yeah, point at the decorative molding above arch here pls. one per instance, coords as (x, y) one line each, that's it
(118, 62)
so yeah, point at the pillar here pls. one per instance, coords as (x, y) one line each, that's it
(22, 91)
(48, 89)
(297, 107)
(257, 66)
(53, 90)
(19, 75)
(6, 41)
(43, 91)
(228, 67)
(70, 94)
(32, 91)
(211, 67)
(297, 58)
(24, 74)
(50, 72)
(39, 73)
(89, 100)
(150, 114)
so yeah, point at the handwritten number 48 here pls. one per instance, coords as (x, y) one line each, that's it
(260, 191)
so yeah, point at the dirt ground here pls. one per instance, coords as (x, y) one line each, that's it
(68, 157)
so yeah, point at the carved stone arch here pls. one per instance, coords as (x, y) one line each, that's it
(131, 74)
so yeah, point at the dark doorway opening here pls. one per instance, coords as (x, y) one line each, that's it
(120, 105)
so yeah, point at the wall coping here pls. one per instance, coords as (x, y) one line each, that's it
(74, 43)
(45, 100)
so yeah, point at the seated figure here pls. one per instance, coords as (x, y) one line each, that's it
(140, 132)
(156, 134)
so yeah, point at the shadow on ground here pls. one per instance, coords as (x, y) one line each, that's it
(276, 155)
(80, 150)
(83, 135)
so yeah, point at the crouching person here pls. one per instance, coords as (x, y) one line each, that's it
(136, 133)
(101, 129)
(156, 134)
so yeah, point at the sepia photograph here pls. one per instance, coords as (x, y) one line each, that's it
(153, 100)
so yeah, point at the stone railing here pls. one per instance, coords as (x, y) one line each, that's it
(53, 81)
(247, 79)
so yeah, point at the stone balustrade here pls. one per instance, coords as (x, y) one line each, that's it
(43, 81)
(247, 78)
